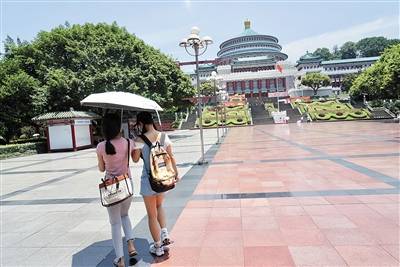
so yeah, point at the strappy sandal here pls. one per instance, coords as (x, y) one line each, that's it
(132, 253)
(117, 263)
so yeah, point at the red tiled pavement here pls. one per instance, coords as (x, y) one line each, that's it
(320, 230)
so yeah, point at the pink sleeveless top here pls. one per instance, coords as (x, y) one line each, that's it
(116, 164)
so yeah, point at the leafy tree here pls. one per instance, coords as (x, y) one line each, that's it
(374, 46)
(17, 92)
(382, 79)
(315, 80)
(348, 50)
(336, 52)
(391, 42)
(207, 88)
(8, 44)
(367, 47)
(59, 68)
(348, 81)
(323, 53)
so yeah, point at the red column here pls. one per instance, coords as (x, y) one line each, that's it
(91, 134)
(73, 137)
(266, 86)
(284, 83)
(48, 138)
(251, 87)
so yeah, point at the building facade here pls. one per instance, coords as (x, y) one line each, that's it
(247, 64)
(254, 64)
(336, 69)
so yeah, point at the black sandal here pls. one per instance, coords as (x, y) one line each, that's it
(116, 264)
(132, 253)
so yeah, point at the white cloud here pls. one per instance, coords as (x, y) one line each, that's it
(386, 26)
(188, 4)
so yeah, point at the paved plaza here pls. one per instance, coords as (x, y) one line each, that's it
(320, 194)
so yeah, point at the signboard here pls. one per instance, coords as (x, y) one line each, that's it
(278, 94)
(279, 117)
(82, 122)
(82, 135)
(60, 137)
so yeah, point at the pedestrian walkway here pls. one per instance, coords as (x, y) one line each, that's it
(50, 212)
(323, 194)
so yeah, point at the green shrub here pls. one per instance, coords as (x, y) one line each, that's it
(28, 131)
(332, 110)
(175, 124)
(17, 149)
(238, 115)
(3, 129)
(28, 140)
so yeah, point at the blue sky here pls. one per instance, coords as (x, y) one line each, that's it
(299, 25)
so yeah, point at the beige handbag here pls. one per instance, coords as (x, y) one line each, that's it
(116, 189)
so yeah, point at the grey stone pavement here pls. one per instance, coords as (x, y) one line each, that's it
(50, 211)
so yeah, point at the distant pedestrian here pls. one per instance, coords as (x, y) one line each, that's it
(112, 155)
(149, 135)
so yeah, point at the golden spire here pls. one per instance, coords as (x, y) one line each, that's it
(247, 24)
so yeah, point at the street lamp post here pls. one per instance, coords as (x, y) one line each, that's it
(364, 98)
(199, 45)
(214, 77)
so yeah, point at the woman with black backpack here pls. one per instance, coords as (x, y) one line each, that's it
(155, 148)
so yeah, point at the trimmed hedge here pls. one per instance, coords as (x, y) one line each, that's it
(270, 107)
(10, 150)
(235, 116)
(331, 110)
(28, 140)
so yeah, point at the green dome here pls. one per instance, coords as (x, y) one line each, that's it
(248, 32)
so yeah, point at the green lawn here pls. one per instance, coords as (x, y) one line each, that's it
(235, 116)
(331, 110)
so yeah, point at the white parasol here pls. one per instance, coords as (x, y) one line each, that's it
(122, 100)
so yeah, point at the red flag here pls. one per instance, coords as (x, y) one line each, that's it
(279, 68)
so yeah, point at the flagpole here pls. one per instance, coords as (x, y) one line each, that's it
(278, 68)
(277, 93)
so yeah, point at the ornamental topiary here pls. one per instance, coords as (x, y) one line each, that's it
(359, 114)
(323, 116)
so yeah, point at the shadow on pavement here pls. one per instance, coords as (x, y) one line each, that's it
(93, 255)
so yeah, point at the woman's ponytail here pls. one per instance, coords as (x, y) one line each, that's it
(111, 129)
(110, 149)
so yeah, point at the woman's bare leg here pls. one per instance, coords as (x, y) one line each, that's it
(160, 211)
(151, 208)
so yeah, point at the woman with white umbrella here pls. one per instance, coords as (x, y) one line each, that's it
(113, 157)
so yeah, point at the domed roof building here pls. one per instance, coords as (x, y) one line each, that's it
(248, 64)
(254, 64)
(251, 44)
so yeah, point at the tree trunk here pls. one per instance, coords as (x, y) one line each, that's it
(315, 91)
